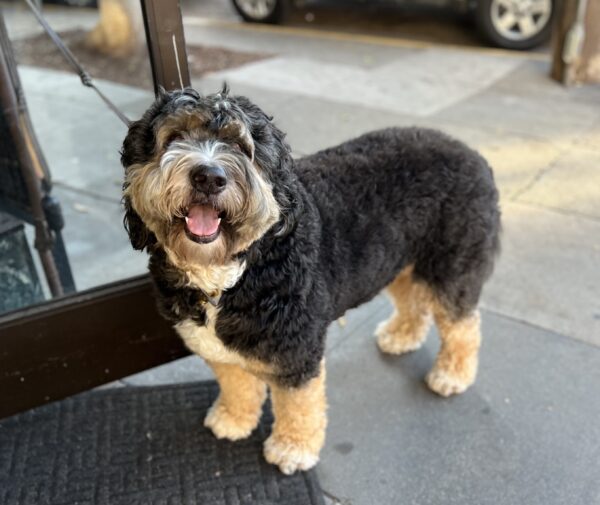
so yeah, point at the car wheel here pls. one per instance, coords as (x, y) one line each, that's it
(261, 11)
(515, 24)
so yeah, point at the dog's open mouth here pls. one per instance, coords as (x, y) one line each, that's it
(202, 223)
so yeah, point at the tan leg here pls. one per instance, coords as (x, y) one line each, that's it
(407, 327)
(299, 429)
(455, 367)
(237, 410)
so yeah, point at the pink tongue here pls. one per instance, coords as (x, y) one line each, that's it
(202, 220)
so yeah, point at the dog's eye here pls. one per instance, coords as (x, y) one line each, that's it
(173, 137)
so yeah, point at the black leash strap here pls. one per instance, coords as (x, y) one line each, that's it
(86, 79)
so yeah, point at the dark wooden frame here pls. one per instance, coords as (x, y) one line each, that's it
(72, 344)
(80, 341)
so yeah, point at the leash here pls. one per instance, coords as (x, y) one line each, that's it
(86, 79)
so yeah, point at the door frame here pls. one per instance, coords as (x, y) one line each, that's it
(76, 342)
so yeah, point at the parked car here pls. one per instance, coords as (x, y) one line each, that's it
(512, 24)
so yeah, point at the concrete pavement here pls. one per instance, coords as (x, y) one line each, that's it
(527, 432)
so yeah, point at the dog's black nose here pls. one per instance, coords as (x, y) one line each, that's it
(209, 179)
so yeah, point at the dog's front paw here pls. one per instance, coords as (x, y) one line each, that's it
(395, 342)
(445, 383)
(289, 456)
(225, 424)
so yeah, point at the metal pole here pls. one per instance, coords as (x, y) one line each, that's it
(166, 44)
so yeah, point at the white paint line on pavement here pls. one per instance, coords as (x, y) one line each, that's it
(418, 84)
(359, 38)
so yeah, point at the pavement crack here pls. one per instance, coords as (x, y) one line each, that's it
(558, 210)
(548, 329)
(336, 500)
(536, 178)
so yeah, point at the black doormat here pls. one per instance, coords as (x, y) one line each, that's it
(139, 446)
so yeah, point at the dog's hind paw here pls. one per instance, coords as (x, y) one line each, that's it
(223, 424)
(394, 343)
(288, 456)
(446, 384)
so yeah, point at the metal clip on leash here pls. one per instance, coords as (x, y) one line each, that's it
(86, 79)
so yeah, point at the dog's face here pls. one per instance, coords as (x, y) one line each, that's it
(199, 176)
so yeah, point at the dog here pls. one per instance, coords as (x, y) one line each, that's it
(253, 254)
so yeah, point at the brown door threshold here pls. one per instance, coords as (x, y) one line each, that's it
(77, 342)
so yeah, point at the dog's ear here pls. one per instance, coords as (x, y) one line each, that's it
(139, 235)
(140, 143)
(270, 149)
(137, 148)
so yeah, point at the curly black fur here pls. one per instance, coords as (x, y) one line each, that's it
(353, 216)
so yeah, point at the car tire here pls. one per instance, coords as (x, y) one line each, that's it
(261, 11)
(493, 19)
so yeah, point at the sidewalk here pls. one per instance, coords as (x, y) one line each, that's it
(528, 431)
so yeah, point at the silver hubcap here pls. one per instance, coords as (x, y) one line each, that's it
(257, 9)
(520, 19)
